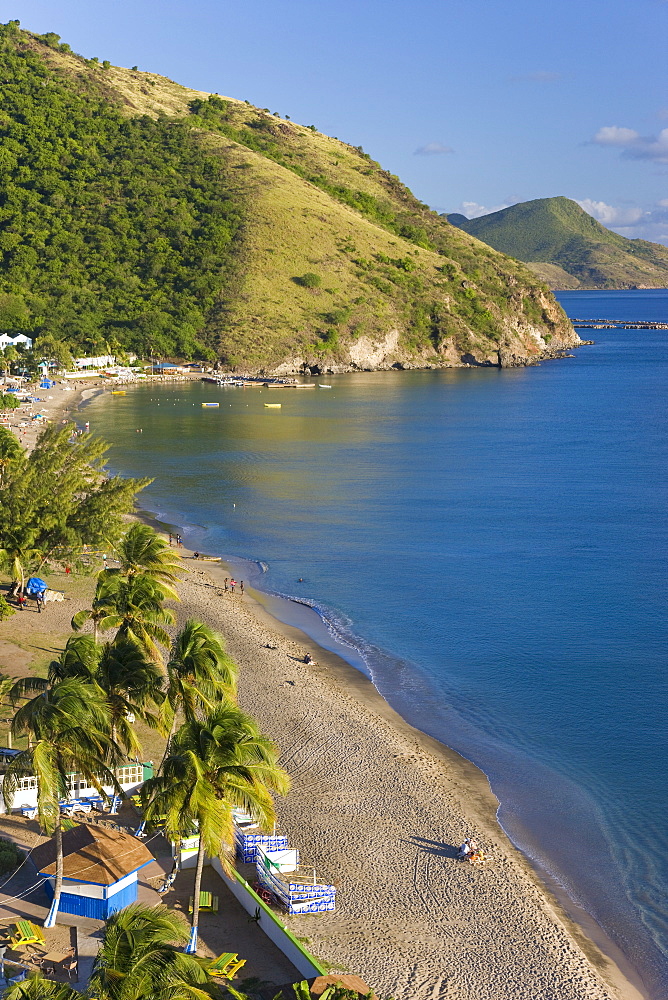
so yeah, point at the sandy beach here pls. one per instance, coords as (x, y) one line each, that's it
(379, 809)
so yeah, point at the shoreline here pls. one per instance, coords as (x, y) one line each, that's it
(580, 926)
(481, 808)
(586, 942)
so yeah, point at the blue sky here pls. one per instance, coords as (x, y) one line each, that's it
(474, 104)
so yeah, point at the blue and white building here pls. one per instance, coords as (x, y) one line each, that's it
(100, 869)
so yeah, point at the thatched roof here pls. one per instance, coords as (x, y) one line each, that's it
(93, 854)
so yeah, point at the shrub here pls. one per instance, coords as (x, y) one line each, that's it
(10, 856)
(309, 280)
(8, 401)
(6, 610)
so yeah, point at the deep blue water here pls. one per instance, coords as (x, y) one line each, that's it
(493, 545)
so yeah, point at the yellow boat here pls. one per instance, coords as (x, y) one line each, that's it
(273, 406)
(118, 392)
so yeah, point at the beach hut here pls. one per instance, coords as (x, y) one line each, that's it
(99, 870)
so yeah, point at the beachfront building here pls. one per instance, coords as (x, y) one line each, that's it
(19, 340)
(103, 361)
(100, 869)
(130, 778)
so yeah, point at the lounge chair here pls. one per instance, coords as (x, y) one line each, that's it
(226, 965)
(27, 933)
(207, 901)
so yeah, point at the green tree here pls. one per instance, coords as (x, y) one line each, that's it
(130, 682)
(139, 958)
(134, 607)
(59, 499)
(199, 673)
(67, 727)
(212, 766)
(9, 357)
(38, 987)
(141, 551)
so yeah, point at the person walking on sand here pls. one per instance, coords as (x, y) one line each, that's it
(241, 587)
(171, 539)
(225, 584)
(233, 584)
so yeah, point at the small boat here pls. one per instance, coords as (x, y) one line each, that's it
(211, 404)
(320, 384)
(118, 392)
(273, 406)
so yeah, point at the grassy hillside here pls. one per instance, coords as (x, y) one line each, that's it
(135, 212)
(556, 232)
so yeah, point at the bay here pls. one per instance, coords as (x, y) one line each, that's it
(489, 546)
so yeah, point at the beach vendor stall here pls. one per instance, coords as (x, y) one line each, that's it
(99, 870)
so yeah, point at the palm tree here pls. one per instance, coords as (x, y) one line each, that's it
(134, 607)
(132, 685)
(142, 552)
(97, 611)
(38, 987)
(130, 682)
(67, 726)
(139, 958)
(199, 673)
(212, 766)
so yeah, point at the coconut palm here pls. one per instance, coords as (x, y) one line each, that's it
(98, 610)
(67, 726)
(38, 987)
(139, 958)
(199, 673)
(212, 766)
(130, 682)
(134, 607)
(142, 552)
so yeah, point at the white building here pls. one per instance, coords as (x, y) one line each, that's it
(102, 362)
(20, 338)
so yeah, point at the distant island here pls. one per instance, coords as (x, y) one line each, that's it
(143, 216)
(568, 248)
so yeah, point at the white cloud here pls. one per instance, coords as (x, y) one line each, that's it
(613, 135)
(635, 146)
(433, 149)
(611, 215)
(472, 210)
(632, 221)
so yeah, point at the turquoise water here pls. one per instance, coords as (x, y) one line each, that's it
(491, 545)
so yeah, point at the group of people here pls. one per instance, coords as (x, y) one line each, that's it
(230, 584)
(177, 539)
(470, 850)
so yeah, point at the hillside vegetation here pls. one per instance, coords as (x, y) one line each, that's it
(568, 248)
(137, 213)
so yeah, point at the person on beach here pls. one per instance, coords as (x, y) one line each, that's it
(464, 850)
(195, 555)
(179, 541)
(233, 584)
(225, 584)
(21, 600)
(171, 539)
(241, 587)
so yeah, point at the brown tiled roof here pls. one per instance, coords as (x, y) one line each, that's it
(93, 854)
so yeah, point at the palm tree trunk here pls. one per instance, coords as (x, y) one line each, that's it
(191, 947)
(58, 885)
(169, 740)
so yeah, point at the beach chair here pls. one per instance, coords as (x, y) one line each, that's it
(207, 901)
(221, 965)
(26, 933)
(234, 968)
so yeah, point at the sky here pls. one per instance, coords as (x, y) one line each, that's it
(476, 105)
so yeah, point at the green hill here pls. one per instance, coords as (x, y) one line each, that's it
(139, 214)
(568, 248)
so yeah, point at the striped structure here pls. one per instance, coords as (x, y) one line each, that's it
(295, 890)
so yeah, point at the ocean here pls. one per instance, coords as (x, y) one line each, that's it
(489, 547)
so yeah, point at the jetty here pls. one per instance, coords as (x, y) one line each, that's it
(618, 324)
